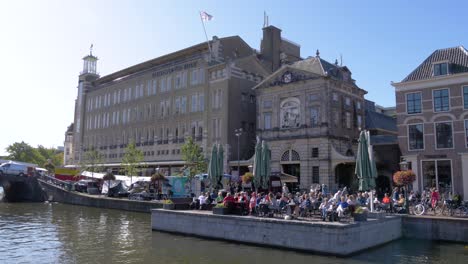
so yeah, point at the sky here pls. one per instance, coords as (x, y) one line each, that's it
(42, 44)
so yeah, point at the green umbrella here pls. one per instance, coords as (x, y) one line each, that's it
(213, 166)
(220, 167)
(365, 170)
(257, 180)
(265, 171)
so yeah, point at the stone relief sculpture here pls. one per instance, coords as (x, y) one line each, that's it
(290, 113)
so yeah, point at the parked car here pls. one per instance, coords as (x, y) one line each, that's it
(86, 185)
(14, 169)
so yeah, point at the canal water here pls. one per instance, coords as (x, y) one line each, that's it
(58, 233)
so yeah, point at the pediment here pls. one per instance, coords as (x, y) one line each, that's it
(286, 76)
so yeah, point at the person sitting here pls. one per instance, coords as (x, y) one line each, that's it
(324, 207)
(342, 206)
(219, 198)
(253, 203)
(229, 200)
(195, 204)
(202, 199)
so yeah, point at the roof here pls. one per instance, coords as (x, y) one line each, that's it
(201, 47)
(456, 56)
(315, 65)
(383, 140)
(375, 121)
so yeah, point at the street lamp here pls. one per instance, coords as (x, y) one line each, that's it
(238, 132)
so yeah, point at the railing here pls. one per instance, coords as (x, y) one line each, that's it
(62, 184)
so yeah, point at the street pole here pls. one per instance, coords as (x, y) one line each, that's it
(238, 134)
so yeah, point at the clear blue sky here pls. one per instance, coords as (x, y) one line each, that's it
(43, 42)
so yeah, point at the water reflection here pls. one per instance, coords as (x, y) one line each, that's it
(56, 233)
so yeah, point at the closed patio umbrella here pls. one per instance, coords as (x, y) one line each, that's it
(365, 170)
(257, 169)
(220, 165)
(212, 167)
(265, 171)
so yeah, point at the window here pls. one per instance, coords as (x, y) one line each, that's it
(437, 173)
(315, 152)
(313, 97)
(441, 100)
(413, 103)
(444, 137)
(465, 97)
(290, 113)
(348, 101)
(243, 97)
(194, 103)
(359, 121)
(201, 102)
(252, 98)
(315, 174)
(183, 104)
(177, 105)
(358, 105)
(440, 69)
(416, 137)
(335, 97)
(267, 120)
(314, 117)
(267, 104)
(336, 118)
(348, 120)
(466, 133)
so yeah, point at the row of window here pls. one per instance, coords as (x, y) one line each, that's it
(150, 135)
(443, 135)
(130, 93)
(105, 120)
(145, 153)
(440, 99)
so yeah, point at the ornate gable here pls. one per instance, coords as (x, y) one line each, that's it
(286, 76)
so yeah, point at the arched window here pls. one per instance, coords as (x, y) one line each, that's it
(290, 155)
(290, 113)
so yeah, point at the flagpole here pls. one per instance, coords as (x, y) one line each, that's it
(206, 35)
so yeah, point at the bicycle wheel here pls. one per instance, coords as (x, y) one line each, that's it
(419, 209)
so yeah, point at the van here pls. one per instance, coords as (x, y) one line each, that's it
(14, 169)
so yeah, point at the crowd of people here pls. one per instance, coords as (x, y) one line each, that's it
(318, 200)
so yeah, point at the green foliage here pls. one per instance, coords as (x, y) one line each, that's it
(90, 160)
(131, 162)
(193, 156)
(21, 151)
(168, 201)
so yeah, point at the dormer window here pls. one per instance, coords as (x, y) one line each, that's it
(440, 69)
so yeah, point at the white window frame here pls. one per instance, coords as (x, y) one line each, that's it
(406, 103)
(433, 103)
(436, 172)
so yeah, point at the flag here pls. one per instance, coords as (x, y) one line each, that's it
(205, 16)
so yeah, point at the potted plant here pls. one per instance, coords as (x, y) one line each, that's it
(247, 178)
(360, 214)
(220, 209)
(168, 204)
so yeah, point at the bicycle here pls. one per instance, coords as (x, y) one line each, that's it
(424, 205)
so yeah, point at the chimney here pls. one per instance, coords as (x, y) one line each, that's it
(270, 47)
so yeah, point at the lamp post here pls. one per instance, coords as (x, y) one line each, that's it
(238, 132)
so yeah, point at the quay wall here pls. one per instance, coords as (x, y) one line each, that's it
(320, 237)
(435, 228)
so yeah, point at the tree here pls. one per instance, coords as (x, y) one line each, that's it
(24, 152)
(91, 160)
(193, 156)
(131, 161)
(21, 151)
